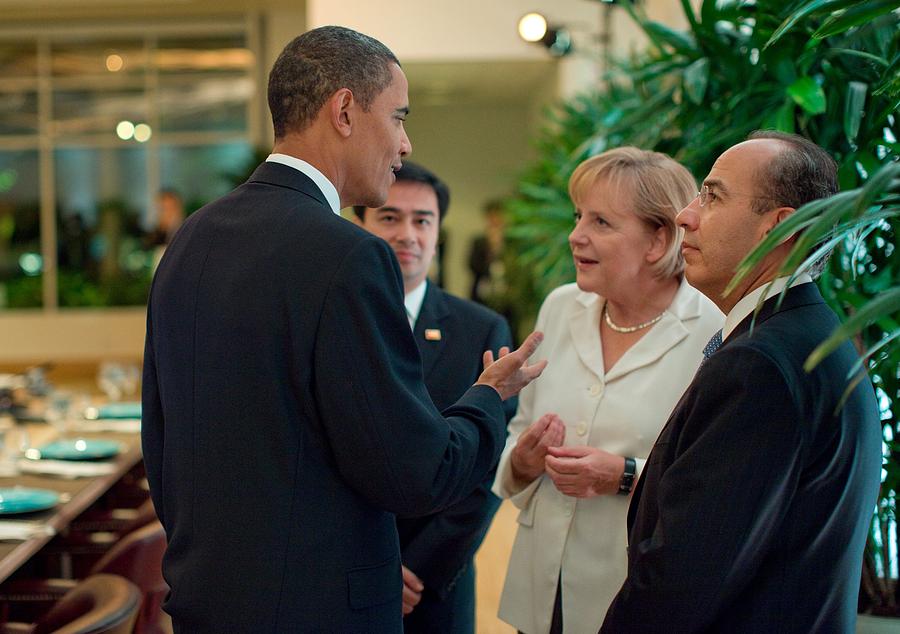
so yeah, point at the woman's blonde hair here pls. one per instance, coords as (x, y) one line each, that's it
(660, 187)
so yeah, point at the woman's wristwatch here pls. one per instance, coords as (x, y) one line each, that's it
(627, 481)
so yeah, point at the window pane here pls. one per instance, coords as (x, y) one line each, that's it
(18, 59)
(21, 265)
(102, 195)
(87, 111)
(224, 54)
(203, 173)
(18, 113)
(204, 103)
(104, 58)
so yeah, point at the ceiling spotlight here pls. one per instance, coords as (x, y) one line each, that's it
(533, 27)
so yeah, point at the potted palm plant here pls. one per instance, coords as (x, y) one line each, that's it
(826, 69)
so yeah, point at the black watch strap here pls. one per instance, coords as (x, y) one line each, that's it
(627, 481)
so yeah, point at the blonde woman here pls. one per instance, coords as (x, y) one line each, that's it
(623, 343)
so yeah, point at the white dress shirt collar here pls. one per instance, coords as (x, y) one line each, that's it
(325, 186)
(413, 302)
(748, 303)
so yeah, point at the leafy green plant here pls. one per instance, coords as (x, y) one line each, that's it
(827, 69)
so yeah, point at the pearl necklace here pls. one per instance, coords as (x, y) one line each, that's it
(627, 329)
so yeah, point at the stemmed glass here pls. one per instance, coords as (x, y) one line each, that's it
(14, 442)
(59, 411)
(112, 378)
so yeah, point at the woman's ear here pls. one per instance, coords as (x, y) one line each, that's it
(659, 244)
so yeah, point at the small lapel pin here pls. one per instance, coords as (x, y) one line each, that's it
(432, 334)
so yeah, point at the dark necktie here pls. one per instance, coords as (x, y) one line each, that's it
(713, 345)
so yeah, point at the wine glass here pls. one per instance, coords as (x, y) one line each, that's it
(58, 411)
(111, 378)
(131, 377)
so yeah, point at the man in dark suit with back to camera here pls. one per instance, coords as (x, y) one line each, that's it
(285, 415)
(752, 512)
(437, 550)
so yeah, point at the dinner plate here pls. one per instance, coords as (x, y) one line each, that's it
(114, 410)
(22, 500)
(78, 449)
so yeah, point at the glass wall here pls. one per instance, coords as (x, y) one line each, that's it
(93, 126)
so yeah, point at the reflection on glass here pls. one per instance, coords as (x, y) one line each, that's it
(94, 57)
(205, 103)
(101, 196)
(20, 235)
(205, 172)
(18, 112)
(18, 59)
(87, 111)
(216, 54)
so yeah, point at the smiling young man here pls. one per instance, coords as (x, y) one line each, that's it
(437, 549)
(752, 511)
(285, 416)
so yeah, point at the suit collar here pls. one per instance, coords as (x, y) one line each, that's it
(747, 304)
(433, 312)
(283, 176)
(795, 297)
(325, 186)
(584, 326)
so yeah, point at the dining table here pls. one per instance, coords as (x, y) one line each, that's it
(76, 493)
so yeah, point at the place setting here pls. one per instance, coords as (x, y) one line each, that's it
(117, 415)
(123, 418)
(17, 504)
(71, 458)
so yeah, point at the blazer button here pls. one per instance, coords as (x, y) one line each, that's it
(596, 389)
(581, 428)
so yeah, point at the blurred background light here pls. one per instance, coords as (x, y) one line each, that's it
(142, 132)
(31, 263)
(114, 63)
(532, 27)
(125, 130)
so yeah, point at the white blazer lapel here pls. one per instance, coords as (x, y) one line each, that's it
(584, 324)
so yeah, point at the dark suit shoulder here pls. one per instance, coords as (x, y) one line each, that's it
(788, 337)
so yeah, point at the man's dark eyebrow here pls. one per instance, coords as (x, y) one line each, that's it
(715, 183)
(423, 212)
(388, 208)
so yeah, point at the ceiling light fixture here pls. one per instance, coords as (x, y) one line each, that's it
(533, 27)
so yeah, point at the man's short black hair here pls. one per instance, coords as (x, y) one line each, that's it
(802, 173)
(315, 65)
(415, 173)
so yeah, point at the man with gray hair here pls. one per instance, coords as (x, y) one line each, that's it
(285, 415)
(752, 512)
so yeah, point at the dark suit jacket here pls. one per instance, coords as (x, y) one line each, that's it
(286, 419)
(753, 508)
(439, 547)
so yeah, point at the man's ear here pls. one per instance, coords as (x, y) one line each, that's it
(776, 217)
(341, 109)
